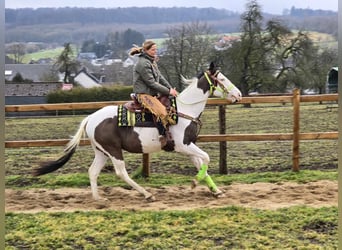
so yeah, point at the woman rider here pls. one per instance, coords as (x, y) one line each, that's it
(148, 83)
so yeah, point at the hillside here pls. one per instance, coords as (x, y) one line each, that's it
(78, 24)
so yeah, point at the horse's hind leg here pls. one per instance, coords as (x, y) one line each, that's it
(94, 171)
(121, 171)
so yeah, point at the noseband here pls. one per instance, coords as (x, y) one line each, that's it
(214, 83)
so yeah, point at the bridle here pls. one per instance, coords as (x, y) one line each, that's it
(215, 83)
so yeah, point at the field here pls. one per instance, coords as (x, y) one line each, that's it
(267, 206)
(321, 39)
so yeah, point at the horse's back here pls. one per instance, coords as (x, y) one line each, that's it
(107, 112)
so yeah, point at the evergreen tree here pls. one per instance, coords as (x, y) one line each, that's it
(66, 63)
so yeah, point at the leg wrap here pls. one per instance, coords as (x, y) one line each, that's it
(210, 183)
(202, 173)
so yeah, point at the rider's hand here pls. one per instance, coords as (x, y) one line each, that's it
(173, 92)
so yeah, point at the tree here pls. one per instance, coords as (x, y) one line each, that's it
(66, 63)
(187, 50)
(270, 58)
(252, 48)
(18, 78)
(17, 50)
(130, 37)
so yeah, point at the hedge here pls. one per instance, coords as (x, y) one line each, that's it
(96, 94)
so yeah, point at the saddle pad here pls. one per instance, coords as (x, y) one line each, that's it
(127, 118)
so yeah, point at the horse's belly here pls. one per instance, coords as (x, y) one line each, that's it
(149, 139)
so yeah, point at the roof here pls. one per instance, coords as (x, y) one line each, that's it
(86, 79)
(30, 89)
(34, 72)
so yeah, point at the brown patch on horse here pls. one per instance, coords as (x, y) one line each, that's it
(190, 133)
(203, 84)
(114, 139)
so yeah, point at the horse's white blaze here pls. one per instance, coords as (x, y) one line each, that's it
(234, 94)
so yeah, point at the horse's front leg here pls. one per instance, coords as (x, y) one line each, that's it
(121, 171)
(201, 160)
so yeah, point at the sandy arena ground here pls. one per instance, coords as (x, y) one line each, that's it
(258, 195)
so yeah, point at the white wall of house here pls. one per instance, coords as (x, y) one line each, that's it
(85, 81)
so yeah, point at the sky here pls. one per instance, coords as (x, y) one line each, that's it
(269, 6)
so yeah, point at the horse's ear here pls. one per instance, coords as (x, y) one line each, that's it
(212, 66)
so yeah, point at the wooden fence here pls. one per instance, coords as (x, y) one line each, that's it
(295, 136)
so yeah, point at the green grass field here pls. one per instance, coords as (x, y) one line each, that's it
(226, 228)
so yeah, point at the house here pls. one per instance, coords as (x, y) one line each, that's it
(86, 56)
(86, 80)
(34, 72)
(28, 93)
(226, 42)
(130, 61)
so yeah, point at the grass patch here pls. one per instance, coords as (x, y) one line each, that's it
(224, 228)
(158, 180)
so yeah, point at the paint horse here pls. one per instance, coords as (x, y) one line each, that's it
(108, 140)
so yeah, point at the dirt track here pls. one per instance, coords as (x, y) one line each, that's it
(258, 195)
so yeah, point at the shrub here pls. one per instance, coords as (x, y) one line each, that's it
(79, 94)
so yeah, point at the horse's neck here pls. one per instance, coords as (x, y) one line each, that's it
(192, 101)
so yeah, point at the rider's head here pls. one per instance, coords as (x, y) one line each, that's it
(150, 48)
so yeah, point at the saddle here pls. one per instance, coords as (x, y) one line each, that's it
(132, 113)
(135, 105)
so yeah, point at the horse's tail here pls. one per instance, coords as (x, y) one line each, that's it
(70, 149)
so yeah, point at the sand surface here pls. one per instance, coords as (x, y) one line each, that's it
(258, 195)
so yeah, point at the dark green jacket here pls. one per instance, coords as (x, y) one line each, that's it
(147, 78)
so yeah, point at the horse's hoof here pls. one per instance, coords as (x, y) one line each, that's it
(99, 199)
(150, 198)
(218, 194)
(194, 183)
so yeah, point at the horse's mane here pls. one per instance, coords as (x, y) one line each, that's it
(188, 82)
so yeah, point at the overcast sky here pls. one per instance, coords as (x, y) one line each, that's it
(269, 6)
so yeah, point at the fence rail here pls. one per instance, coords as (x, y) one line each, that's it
(296, 136)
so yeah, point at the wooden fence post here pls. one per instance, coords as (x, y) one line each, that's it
(223, 144)
(146, 165)
(295, 145)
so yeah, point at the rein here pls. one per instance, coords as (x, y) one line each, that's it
(195, 120)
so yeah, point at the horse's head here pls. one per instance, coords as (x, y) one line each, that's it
(220, 85)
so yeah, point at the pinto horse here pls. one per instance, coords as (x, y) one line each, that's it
(108, 140)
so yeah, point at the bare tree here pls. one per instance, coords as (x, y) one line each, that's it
(17, 50)
(189, 48)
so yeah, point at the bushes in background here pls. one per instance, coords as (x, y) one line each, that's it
(96, 94)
